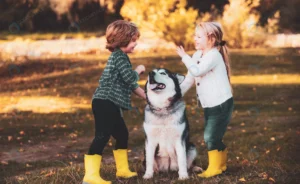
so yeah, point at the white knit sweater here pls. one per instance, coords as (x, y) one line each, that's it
(209, 74)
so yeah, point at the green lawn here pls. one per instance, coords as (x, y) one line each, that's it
(8, 36)
(47, 123)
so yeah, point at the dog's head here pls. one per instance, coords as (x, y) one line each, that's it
(163, 88)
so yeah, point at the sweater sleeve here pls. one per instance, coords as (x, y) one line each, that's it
(202, 68)
(134, 86)
(188, 82)
(128, 75)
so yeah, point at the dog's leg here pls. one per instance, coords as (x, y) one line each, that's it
(182, 162)
(150, 151)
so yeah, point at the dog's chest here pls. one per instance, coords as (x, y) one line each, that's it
(164, 129)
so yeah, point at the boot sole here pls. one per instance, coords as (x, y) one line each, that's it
(126, 177)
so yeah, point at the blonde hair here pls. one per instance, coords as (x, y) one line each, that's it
(119, 34)
(214, 31)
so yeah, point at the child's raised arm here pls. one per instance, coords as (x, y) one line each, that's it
(199, 69)
(187, 83)
(128, 75)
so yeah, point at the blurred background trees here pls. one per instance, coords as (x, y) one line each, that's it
(245, 22)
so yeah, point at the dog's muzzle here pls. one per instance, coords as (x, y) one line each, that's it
(154, 85)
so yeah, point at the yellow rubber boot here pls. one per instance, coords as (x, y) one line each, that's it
(224, 160)
(214, 164)
(121, 159)
(92, 168)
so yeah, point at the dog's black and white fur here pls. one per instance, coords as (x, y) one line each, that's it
(167, 144)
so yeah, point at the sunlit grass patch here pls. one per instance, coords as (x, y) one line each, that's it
(37, 104)
(260, 79)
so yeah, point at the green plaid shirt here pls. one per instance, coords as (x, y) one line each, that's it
(117, 80)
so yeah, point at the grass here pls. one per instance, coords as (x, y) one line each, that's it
(47, 124)
(8, 36)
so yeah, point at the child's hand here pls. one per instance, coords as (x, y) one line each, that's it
(140, 69)
(140, 92)
(180, 51)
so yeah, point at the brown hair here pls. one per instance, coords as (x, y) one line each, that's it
(213, 30)
(119, 33)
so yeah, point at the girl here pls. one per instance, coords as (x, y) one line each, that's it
(117, 82)
(209, 69)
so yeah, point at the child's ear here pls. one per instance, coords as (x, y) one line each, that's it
(180, 77)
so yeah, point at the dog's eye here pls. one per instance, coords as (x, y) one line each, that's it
(163, 73)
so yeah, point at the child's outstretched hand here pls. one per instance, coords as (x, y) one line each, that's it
(180, 51)
(140, 69)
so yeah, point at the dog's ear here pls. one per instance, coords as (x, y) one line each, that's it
(180, 77)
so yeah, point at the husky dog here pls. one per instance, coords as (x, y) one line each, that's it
(167, 144)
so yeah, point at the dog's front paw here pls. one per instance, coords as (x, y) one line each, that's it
(183, 176)
(148, 175)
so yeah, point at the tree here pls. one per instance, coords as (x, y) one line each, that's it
(168, 19)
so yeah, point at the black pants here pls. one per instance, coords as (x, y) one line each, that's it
(108, 121)
(216, 121)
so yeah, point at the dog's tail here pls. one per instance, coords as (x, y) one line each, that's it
(191, 154)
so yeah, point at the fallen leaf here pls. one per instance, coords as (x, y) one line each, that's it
(50, 173)
(9, 138)
(268, 151)
(242, 179)
(245, 162)
(271, 179)
(20, 178)
(243, 124)
(4, 162)
(263, 175)
(272, 138)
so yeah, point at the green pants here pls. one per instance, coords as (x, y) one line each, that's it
(216, 121)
